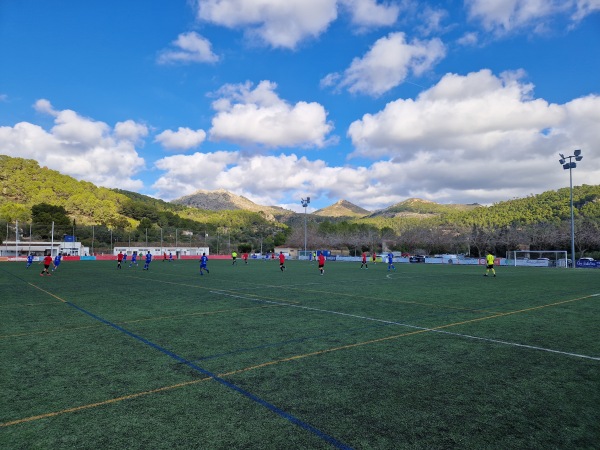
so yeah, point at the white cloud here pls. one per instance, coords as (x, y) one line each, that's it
(388, 63)
(468, 39)
(369, 13)
(259, 117)
(477, 111)
(285, 24)
(478, 136)
(191, 48)
(277, 23)
(78, 146)
(502, 16)
(264, 179)
(432, 21)
(182, 139)
(584, 8)
(130, 131)
(470, 138)
(44, 106)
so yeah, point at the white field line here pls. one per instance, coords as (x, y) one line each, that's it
(433, 330)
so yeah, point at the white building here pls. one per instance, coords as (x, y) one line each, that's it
(40, 248)
(177, 252)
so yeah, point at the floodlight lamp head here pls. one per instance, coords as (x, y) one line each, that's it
(561, 161)
(566, 166)
(573, 165)
(578, 158)
(307, 199)
(577, 152)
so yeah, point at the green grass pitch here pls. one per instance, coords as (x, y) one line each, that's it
(423, 357)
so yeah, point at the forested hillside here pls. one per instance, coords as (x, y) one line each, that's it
(38, 196)
(536, 222)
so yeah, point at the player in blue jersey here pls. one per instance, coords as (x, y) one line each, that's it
(203, 263)
(57, 260)
(148, 260)
(133, 259)
(29, 260)
(390, 258)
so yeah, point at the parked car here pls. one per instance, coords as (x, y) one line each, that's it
(416, 259)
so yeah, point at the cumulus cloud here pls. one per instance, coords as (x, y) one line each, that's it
(477, 137)
(182, 139)
(472, 135)
(387, 64)
(501, 17)
(190, 48)
(79, 146)
(130, 131)
(264, 179)
(280, 24)
(257, 116)
(285, 24)
(476, 111)
(369, 13)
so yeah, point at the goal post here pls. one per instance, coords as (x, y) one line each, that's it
(538, 258)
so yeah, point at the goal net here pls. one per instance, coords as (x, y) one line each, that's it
(538, 258)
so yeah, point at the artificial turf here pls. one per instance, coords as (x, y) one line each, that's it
(426, 356)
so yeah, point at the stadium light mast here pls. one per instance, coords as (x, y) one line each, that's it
(305, 203)
(570, 165)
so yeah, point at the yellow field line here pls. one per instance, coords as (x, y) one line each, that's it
(105, 402)
(20, 305)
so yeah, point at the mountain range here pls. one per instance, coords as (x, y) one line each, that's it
(24, 183)
(224, 200)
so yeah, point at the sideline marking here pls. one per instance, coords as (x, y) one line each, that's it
(219, 379)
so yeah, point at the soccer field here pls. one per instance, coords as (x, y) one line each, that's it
(423, 357)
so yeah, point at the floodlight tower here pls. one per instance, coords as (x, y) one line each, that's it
(570, 165)
(305, 203)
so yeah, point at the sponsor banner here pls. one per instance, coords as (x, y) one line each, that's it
(588, 264)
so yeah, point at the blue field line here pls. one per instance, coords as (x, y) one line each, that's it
(306, 426)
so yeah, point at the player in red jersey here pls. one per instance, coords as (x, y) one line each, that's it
(322, 263)
(282, 261)
(47, 261)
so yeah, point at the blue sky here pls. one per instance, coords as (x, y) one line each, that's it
(369, 101)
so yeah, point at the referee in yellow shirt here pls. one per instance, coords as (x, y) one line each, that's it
(489, 259)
